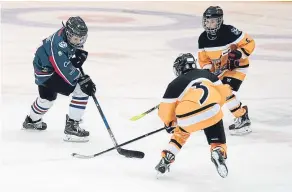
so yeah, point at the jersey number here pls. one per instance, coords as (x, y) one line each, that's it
(205, 92)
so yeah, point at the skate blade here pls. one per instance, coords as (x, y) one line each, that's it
(74, 138)
(32, 130)
(241, 131)
(159, 175)
(221, 168)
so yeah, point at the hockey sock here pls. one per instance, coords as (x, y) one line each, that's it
(234, 105)
(77, 104)
(39, 108)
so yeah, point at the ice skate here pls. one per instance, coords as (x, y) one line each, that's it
(67, 118)
(218, 158)
(73, 133)
(164, 163)
(29, 124)
(241, 125)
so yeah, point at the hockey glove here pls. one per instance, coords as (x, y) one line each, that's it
(233, 59)
(86, 85)
(169, 128)
(80, 57)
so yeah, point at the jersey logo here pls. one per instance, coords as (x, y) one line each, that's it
(216, 62)
(66, 63)
(73, 69)
(235, 31)
(63, 44)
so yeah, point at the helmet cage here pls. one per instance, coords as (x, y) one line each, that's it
(76, 31)
(207, 21)
(74, 39)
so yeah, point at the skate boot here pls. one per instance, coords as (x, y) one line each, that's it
(67, 118)
(218, 157)
(74, 133)
(29, 124)
(241, 125)
(164, 163)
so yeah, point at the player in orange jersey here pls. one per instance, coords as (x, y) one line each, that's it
(193, 102)
(224, 50)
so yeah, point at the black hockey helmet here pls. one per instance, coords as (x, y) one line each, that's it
(76, 31)
(184, 63)
(212, 20)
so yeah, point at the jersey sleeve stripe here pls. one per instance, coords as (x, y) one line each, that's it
(244, 51)
(238, 39)
(55, 65)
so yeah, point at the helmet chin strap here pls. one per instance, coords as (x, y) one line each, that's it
(211, 37)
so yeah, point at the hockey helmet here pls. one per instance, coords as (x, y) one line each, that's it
(184, 63)
(212, 19)
(76, 31)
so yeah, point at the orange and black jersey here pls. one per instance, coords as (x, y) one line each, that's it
(212, 54)
(179, 88)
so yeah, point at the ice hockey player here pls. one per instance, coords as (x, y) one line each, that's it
(224, 50)
(56, 64)
(192, 102)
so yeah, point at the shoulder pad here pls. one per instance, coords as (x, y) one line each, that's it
(59, 43)
(231, 29)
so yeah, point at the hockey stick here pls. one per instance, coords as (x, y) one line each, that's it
(135, 118)
(125, 152)
(117, 146)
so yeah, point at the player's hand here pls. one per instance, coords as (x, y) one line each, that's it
(87, 86)
(169, 128)
(233, 59)
(79, 59)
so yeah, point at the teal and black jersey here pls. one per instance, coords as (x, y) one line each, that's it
(53, 56)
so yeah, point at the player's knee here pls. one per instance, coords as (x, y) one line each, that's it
(49, 96)
(215, 133)
(45, 102)
(234, 83)
(78, 92)
(47, 93)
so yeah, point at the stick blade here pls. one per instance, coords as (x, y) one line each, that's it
(82, 156)
(131, 153)
(135, 118)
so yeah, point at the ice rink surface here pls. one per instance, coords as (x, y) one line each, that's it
(131, 48)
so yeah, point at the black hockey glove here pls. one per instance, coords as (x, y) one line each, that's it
(80, 57)
(86, 85)
(168, 128)
(233, 59)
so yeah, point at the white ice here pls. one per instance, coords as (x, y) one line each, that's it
(132, 81)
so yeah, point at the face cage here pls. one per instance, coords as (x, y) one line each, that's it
(82, 39)
(212, 31)
(191, 64)
(176, 69)
(176, 72)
